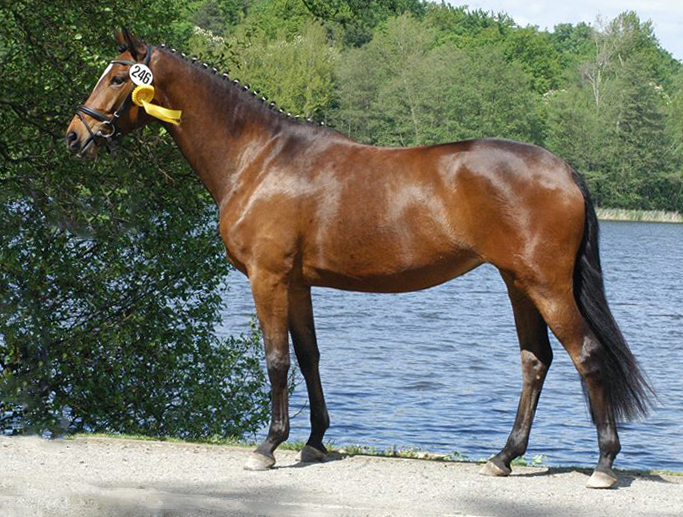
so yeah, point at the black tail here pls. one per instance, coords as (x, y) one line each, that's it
(628, 391)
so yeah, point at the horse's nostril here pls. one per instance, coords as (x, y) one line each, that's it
(72, 140)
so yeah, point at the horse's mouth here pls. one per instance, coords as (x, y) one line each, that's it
(88, 150)
(82, 148)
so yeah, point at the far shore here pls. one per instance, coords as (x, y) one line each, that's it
(648, 216)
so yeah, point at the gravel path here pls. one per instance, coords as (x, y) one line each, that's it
(90, 477)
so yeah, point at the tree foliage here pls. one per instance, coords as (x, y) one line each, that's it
(404, 89)
(614, 118)
(298, 71)
(111, 273)
(358, 18)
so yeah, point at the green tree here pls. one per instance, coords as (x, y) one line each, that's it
(111, 274)
(297, 71)
(572, 43)
(210, 17)
(640, 146)
(534, 51)
(576, 132)
(358, 18)
(491, 97)
(401, 89)
(674, 120)
(466, 28)
(271, 19)
(217, 16)
(611, 119)
(379, 88)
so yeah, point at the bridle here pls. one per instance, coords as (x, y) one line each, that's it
(109, 122)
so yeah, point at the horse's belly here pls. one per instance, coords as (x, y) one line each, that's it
(389, 275)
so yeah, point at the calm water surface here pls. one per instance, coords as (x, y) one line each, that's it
(439, 369)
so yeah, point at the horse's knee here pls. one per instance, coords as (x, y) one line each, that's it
(278, 366)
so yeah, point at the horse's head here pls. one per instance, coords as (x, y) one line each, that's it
(109, 111)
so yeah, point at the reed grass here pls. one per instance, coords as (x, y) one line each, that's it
(652, 216)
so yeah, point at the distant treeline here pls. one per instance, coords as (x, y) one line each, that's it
(604, 96)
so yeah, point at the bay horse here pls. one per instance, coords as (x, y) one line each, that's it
(302, 205)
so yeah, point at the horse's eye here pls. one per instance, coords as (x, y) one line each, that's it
(117, 79)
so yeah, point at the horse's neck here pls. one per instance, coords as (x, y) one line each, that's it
(220, 127)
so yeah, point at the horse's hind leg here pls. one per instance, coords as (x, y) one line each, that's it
(302, 330)
(536, 356)
(560, 311)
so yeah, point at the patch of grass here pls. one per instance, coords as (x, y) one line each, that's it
(296, 445)
(460, 458)
(213, 440)
(654, 216)
(360, 450)
(536, 461)
(395, 452)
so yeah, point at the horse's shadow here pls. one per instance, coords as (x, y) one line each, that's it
(625, 477)
(331, 457)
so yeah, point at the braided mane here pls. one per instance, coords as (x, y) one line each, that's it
(245, 91)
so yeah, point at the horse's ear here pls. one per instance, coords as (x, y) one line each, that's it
(120, 40)
(127, 41)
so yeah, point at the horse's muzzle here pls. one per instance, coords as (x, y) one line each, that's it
(83, 147)
(73, 142)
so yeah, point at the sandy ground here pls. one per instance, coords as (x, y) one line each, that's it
(121, 478)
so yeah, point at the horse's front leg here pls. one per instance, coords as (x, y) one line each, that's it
(271, 298)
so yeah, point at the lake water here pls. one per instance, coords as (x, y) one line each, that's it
(439, 369)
